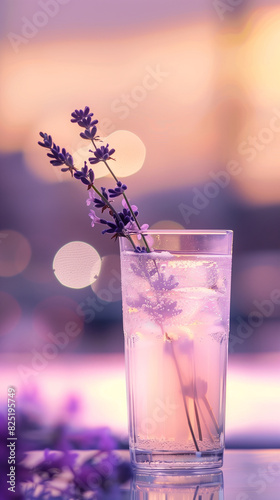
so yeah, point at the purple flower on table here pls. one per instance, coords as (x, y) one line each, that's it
(87, 477)
(102, 476)
(101, 154)
(53, 463)
(118, 190)
(124, 472)
(86, 175)
(99, 438)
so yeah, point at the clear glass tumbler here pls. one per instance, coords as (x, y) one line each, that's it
(176, 301)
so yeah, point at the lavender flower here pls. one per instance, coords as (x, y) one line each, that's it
(134, 208)
(53, 463)
(122, 223)
(101, 154)
(91, 197)
(112, 227)
(139, 249)
(83, 118)
(58, 157)
(90, 134)
(86, 175)
(94, 218)
(47, 143)
(133, 228)
(118, 190)
(100, 202)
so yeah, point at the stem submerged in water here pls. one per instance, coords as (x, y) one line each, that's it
(182, 390)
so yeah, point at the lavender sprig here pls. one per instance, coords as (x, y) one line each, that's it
(124, 222)
(86, 175)
(103, 154)
(58, 157)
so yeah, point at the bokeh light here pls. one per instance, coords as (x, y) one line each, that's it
(15, 253)
(130, 152)
(82, 154)
(167, 224)
(257, 66)
(76, 264)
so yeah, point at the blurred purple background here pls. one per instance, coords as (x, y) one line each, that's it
(189, 93)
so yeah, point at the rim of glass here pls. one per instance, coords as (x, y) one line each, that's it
(188, 231)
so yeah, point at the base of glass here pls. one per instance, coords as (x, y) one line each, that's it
(176, 461)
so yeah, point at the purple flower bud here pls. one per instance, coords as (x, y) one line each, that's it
(83, 118)
(85, 175)
(102, 154)
(89, 133)
(94, 218)
(47, 140)
(113, 193)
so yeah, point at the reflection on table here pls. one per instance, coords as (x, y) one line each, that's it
(246, 475)
(197, 486)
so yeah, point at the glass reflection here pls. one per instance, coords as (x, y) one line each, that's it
(167, 486)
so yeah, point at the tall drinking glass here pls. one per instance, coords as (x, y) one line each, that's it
(176, 302)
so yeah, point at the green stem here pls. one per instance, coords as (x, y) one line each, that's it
(205, 423)
(127, 202)
(106, 163)
(196, 492)
(212, 416)
(105, 201)
(110, 206)
(113, 210)
(197, 419)
(195, 398)
(138, 225)
(184, 399)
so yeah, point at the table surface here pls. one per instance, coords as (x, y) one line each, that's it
(245, 475)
